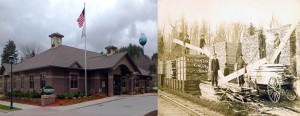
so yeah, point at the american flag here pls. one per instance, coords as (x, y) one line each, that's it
(80, 19)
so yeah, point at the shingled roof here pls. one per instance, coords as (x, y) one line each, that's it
(5, 66)
(65, 56)
(144, 72)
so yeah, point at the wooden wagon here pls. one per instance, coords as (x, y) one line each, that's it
(275, 79)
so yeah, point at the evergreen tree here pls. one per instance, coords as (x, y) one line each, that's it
(133, 50)
(153, 65)
(8, 50)
(154, 56)
(152, 69)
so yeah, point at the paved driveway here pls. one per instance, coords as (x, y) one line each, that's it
(125, 105)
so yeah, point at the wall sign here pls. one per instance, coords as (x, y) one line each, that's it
(48, 90)
(196, 66)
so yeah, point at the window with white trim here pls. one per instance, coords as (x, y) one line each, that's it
(42, 81)
(74, 81)
(31, 81)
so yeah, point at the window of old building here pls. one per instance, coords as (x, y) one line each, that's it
(22, 82)
(14, 80)
(74, 81)
(42, 80)
(31, 78)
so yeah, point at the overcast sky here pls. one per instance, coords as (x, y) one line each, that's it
(259, 12)
(121, 21)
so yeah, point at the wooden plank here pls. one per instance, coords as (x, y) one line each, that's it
(224, 93)
(270, 69)
(283, 42)
(233, 87)
(192, 47)
(208, 92)
(273, 65)
(232, 97)
(240, 72)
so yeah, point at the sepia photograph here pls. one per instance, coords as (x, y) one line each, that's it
(228, 57)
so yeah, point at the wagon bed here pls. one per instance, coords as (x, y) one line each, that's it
(275, 79)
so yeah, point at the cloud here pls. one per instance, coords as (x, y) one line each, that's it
(121, 21)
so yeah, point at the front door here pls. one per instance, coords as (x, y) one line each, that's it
(117, 84)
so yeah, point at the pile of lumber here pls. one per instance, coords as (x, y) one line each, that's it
(228, 92)
(231, 92)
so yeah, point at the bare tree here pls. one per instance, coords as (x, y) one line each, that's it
(29, 50)
(221, 33)
(237, 31)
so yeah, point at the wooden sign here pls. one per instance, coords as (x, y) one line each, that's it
(191, 85)
(196, 66)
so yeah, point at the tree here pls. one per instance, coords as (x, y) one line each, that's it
(8, 50)
(152, 69)
(221, 33)
(154, 56)
(29, 50)
(251, 29)
(160, 44)
(237, 31)
(153, 65)
(133, 50)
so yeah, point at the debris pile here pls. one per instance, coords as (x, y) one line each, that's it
(230, 92)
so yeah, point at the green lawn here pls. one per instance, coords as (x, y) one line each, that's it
(3, 107)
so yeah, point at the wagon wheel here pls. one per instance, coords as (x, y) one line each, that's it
(290, 94)
(274, 89)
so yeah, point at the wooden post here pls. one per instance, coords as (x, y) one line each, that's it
(182, 86)
(293, 53)
(173, 83)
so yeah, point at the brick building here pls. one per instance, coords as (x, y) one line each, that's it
(62, 67)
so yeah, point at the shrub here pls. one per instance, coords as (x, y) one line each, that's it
(76, 95)
(146, 91)
(81, 95)
(60, 96)
(43, 93)
(35, 95)
(27, 94)
(70, 96)
(18, 94)
(153, 90)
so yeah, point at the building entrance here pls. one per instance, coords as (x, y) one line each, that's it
(117, 84)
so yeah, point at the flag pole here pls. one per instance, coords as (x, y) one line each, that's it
(85, 81)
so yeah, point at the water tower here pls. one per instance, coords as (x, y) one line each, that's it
(143, 40)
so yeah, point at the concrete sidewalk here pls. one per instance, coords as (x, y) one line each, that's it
(42, 111)
(18, 105)
(99, 101)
